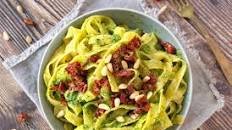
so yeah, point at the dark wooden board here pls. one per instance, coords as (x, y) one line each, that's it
(217, 14)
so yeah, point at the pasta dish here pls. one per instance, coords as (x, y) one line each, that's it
(111, 77)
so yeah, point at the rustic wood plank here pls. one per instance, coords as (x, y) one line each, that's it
(220, 120)
(13, 101)
(217, 16)
(45, 13)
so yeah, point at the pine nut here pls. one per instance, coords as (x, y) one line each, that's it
(136, 65)
(19, 9)
(124, 64)
(104, 71)
(5, 36)
(146, 78)
(28, 39)
(120, 119)
(137, 98)
(110, 67)
(122, 86)
(134, 116)
(104, 107)
(116, 102)
(108, 58)
(149, 94)
(134, 94)
(60, 114)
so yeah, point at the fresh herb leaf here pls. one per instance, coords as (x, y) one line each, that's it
(115, 37)
(57, 95)
(71, 97)
(145, 48)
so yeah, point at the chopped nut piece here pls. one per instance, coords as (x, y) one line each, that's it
(120, 119)
(139, 97)
(60, 114)
(19, 9)
(108, 58)
(134, 116)
(28, 39)
(134, 94)
(110, 67)
(104, 107)
(146, 78)
(5, 36)
(124, 64)
(136, 65)
(116, 102)
(104, 71)
(149, 94)
(122, 86)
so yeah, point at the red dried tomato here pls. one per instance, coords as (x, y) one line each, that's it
(94, 58)
(123, 98)
(73, 68)
(134, 44)
(124, 73)
(150, 84)
(22, 117)
(130, 57)
(130, 89)
(78, 84)
(142, 105)
(63, 101)
(61, 87)
(169, 48)
(98, 84)
(99, 112)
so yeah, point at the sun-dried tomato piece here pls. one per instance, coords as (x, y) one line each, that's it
(99, 112)
(148, 87)
(112, 102)
(77, 84)
(150, 84)
(73, 68)
(98, 84)
(63, 101)
(123, 98)
(124, 73)
(130, 89)
(96, 89)
(134, 44)
(104, 81)
(29, 21)
(22, 117)
(94, 58)
(142, 105)
(169, 48)
(61, 87)
(153, 79)
(130, 57)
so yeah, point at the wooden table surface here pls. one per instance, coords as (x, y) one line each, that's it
(217, 14)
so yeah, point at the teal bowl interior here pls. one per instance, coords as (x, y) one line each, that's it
(131, 18)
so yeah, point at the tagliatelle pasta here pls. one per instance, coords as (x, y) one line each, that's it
(110, 77)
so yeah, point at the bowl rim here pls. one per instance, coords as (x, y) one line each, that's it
(190, 84)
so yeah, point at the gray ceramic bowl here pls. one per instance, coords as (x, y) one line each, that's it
(128, 17)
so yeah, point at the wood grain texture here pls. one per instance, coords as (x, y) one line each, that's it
(45, 13)
(216, 14)
(13, 101)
